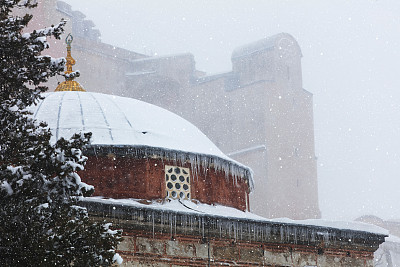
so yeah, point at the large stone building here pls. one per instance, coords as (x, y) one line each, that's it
(258, 113)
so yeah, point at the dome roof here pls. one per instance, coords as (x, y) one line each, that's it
(115, 120)
(126, 122)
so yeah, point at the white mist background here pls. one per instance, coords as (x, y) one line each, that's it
(351, 63)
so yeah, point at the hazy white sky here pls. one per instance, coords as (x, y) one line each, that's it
(351, 63)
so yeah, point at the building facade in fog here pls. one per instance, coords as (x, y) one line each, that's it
(179, 200)
(258, 114)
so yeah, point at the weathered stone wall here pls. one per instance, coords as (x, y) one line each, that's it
(167, 238)
(139, 250)
(290, 185)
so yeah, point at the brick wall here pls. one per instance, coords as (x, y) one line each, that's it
(139, 249)
(167, 238)
(144, 178)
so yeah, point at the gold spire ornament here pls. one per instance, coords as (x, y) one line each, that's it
(69, 84)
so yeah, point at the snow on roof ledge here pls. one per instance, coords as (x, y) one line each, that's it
(322, 227)
(348, 225)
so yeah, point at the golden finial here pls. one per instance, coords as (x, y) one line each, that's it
(70, 60)
(69, 84)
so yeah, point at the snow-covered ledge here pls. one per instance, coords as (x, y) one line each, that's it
(180, 231)
(227, 221)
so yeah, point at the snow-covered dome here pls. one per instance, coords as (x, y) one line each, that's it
(126, 122)
(133, 130)
(121, 121)
(115, 120)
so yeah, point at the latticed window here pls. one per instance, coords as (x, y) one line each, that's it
(177, 180)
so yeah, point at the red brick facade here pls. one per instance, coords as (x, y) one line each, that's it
(143, 178)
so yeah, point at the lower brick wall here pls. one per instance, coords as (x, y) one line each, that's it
(140, 249)
(170, 238)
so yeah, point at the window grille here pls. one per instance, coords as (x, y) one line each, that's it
(177, 180)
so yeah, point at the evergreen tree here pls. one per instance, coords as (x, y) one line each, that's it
(41, 223)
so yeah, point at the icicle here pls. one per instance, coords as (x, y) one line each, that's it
(174, 219)
(241, 231)
(312, 236)
(152, 218)
(236, 230)
(171, 224)
(220, 229)
(186, 223)
(202, 227)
